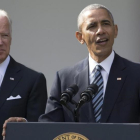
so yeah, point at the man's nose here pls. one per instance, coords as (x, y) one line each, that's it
(100, 30)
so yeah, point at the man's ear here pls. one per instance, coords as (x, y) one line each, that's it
(79, 37)
(116, 31)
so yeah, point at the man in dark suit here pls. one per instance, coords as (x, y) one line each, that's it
(23, 91)
(120, 98)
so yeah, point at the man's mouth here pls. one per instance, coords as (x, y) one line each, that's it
(2, 50)
(101, 41)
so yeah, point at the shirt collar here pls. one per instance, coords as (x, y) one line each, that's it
(106, 64)
(3, 66)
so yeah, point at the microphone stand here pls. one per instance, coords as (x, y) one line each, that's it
(74, 113)
(78, 105)
(76, 110)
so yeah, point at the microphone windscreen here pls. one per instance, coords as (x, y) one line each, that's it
(93, 88)
(73, 88)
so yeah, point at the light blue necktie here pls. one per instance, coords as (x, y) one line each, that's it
(97, 100)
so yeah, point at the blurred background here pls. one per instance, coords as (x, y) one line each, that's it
(43, 36)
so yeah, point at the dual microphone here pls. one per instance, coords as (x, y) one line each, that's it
(85, 96)
(71, 91)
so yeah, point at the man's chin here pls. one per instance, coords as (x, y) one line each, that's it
(103, 52)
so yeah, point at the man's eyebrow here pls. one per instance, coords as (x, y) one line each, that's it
(105, 20)
(91, 23)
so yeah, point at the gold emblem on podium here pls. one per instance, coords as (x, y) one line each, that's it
(70, 136)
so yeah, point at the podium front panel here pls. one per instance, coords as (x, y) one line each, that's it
(92, 131)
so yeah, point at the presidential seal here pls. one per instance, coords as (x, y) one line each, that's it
(70, 136)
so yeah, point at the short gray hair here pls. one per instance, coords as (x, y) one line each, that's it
(5, 14)
(91, 7)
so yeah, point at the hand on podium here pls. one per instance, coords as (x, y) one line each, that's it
(11, 119)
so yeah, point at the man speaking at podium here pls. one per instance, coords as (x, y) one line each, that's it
(118, 97)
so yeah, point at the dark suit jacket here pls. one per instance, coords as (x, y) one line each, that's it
(121, 101)
(30, 85)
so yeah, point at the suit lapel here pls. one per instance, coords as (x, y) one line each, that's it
(10, 80)
(82, 80)
(114, 86)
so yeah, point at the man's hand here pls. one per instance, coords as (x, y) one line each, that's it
(12, 119)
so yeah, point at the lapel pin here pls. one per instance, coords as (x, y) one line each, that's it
(119, 79)
(11, 78)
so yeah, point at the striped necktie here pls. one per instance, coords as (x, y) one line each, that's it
(97, 100)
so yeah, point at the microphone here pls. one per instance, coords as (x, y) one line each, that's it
(68, 94)
(88, 94)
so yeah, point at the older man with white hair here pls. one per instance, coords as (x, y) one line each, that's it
(23, 91)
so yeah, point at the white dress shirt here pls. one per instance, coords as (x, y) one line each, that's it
(3, 67)
(106, 65)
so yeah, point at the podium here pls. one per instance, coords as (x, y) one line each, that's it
(71, 131)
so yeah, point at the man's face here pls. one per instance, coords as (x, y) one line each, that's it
(5, 38)
(98, 32)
